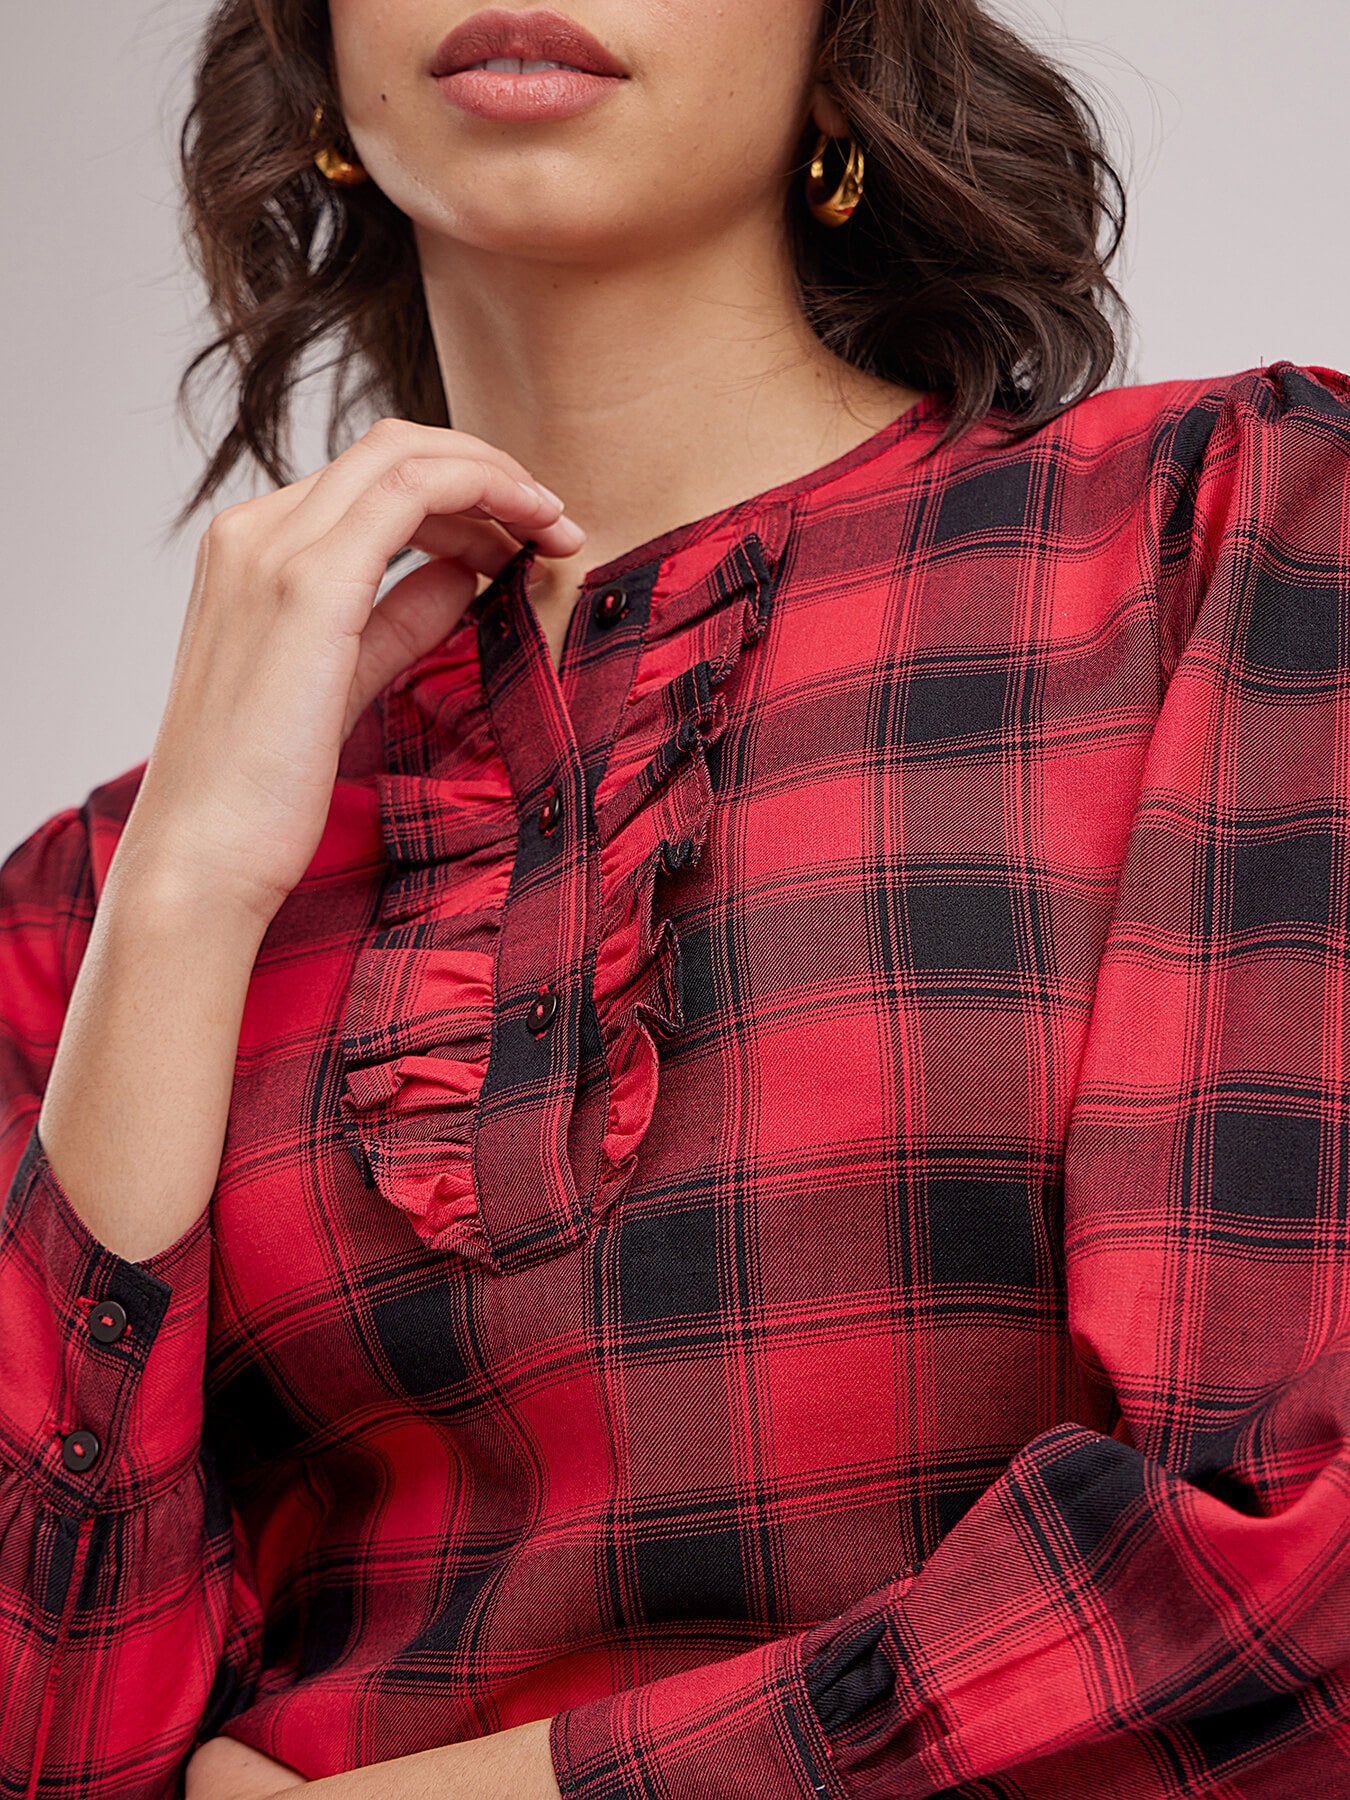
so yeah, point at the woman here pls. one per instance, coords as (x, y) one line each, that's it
(769, 1063)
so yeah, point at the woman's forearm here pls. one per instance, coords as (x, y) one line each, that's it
(508, 1765)
(134, 1112)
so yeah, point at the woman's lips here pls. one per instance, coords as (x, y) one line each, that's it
(587, 73)
(545, 94)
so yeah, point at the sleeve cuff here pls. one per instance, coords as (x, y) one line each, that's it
(739, 1729)
(101, 1360)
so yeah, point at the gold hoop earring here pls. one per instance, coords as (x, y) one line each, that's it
(330, 162)
(835, 208)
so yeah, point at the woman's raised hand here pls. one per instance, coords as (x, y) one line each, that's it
(283, 646)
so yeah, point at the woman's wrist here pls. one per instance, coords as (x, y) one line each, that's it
(167, 891)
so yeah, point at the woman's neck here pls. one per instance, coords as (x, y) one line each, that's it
(646, 395)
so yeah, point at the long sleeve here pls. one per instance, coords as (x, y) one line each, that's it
(128, 1622)
(1163, 1609)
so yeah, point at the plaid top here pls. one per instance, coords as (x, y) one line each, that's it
(785, 1201)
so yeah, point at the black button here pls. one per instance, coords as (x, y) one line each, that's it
(543, 1011)
(79, 1450)
(675, 856)
(687, 736)
(610, 608)
(549, 815)
(107, 1321)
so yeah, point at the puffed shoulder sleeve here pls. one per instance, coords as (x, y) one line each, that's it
(1164, 1609)
(126, 1613)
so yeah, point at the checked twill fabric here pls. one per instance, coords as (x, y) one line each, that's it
(785, 1202)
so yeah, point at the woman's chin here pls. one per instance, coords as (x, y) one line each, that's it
(531, 231)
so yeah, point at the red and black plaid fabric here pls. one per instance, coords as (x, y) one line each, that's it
(785, 1202)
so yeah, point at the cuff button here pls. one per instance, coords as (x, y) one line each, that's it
(79, 1450)
(107, 1321)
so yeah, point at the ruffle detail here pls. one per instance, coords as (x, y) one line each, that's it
(417, 1030)
(415, 1049)
(637, 981)
(417, 1036)
(652, 828)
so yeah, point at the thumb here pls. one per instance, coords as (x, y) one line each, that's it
(412, 618)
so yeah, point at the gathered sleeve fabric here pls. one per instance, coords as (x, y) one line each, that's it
(1162, 1609)
(128, 1617)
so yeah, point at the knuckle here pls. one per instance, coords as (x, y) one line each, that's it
(476, 449)
(402, 479)
(388, 430)
(486, 477)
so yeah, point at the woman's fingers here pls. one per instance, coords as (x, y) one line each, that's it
(331, 494)
(481, 543)
(425, 606)
(352, 558)
(303, 510)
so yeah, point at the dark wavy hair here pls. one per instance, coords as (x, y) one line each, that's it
(975, 268)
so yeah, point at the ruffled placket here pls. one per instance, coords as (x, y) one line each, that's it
(652, 828)
(521, 940)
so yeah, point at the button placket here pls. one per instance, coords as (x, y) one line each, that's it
(528, 1204)
(537, 1125)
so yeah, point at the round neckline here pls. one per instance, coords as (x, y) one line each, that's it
(920, 412)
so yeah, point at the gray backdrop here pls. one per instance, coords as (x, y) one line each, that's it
(1224, 112)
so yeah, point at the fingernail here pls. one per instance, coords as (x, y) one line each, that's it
(549, 494)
